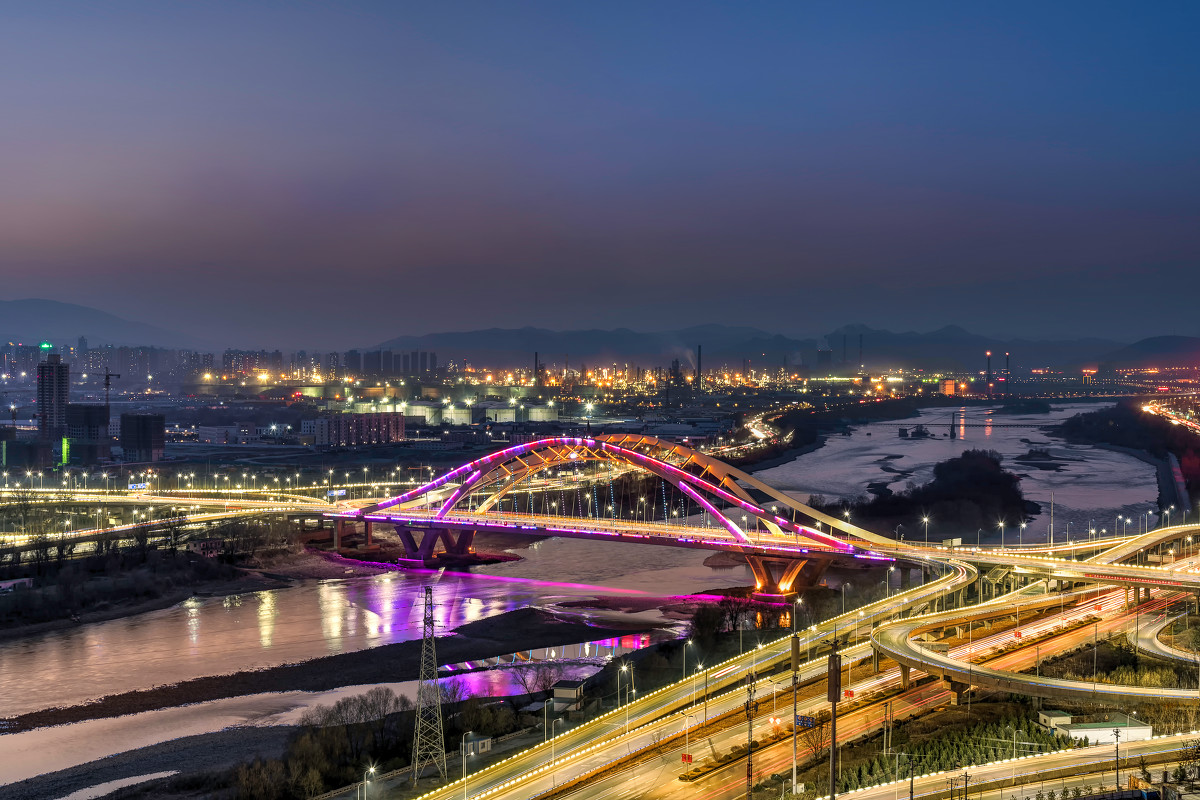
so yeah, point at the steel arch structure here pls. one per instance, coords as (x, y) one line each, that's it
(777, 559)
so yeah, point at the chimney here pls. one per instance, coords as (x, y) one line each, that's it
(699, 373)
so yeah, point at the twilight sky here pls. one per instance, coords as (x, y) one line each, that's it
(302, 174)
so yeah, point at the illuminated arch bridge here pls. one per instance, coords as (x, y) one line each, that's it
(619, 488)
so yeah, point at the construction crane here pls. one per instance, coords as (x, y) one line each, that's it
(108, 376)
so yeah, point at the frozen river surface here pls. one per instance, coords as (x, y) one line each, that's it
(1091, 487)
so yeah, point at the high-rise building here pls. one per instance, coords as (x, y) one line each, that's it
(371, 362)
(53, 392)
(87, 430)
(142, 437)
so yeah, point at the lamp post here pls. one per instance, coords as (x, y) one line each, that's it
(926, 521)
(686, 645)
(687, 749)
(1117, 760)
(624, 668)
(552, 724)
(370, 771)
(463, 750)
(844, 587)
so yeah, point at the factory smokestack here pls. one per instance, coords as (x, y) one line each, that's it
(699, 373)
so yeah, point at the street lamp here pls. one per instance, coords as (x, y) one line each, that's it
(463, 751)
(370, 771)
(926, 521)
(845, 586)
(686, 645)
(552, 724)
(624, 668)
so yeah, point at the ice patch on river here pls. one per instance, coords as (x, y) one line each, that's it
(1091, 486)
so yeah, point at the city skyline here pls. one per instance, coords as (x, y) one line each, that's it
(396, 169)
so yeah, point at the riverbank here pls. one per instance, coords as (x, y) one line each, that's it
(524, 629)
(784, 458)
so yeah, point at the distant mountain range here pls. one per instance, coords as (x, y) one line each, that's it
(1157, 351)
(31, 321)
(951, 347)
(947, 348)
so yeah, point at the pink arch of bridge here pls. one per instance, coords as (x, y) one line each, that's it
(481, 471)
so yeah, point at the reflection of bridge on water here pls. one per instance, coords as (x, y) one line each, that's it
(620, 488)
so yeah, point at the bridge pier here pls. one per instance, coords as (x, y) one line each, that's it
(423, 553)
(956, 690)
(777, 578)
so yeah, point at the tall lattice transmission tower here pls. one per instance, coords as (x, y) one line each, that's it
(428, 743)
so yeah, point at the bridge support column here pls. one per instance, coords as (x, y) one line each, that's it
(776, 578)
(904, 679)
(423, 553)
(367, 525)
(339, 530)
(956, 690)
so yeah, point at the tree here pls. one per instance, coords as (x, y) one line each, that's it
(41, 551)
(452, 690)
(734, 609)
(1190, 758)
(141, 539)
(816, 738)
(706, 624)
(64, 549)
(260, 780)
(537, 677)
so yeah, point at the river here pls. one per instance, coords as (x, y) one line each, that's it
(1091, 486)
(216, 636)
